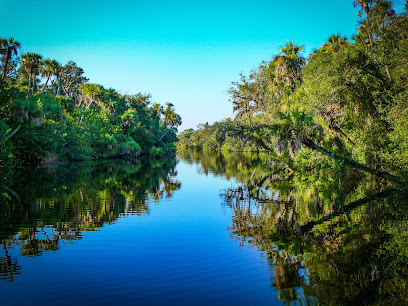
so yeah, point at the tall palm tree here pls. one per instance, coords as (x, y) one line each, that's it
(48, 69)
(31, 63)
(11, 47)
(56, 68)
(171, 119)
(289, 63)
(365, 6)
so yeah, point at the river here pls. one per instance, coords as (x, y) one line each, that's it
(206, 228)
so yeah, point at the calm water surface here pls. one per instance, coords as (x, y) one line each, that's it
(123, 233)
(209, 228)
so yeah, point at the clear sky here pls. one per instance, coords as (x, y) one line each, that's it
(184, 52)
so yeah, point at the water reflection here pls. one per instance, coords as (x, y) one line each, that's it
(332, 237)
(8, 265)
(42, 208)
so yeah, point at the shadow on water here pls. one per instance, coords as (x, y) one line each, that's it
(42, 208)
(332, 237)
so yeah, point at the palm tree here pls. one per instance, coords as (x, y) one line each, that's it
(294, 129)
(335, 43)
(49, 68)
(289, 63)
(31, 63)
(171, 119)
(56, 69)
(365, 6)
(297, 128)
(11, 47)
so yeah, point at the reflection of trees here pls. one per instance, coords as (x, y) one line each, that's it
(8, 265)
(241, 166)
(356, 254)
(55, 205)
(290, 276)
(347, 208)
(332, 236)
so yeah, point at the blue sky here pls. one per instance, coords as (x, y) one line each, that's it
(184, 52)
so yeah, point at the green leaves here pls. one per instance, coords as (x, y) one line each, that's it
(73, 119)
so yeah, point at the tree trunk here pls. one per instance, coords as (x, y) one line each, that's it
(263, 145)
(370, 36)
(12, 134)
(387, 69)
(6, 63)
(46, 82)
(33, 85)
(29, 84)
(297, 76)
(66, 91)
(164, 134)
(57, 87)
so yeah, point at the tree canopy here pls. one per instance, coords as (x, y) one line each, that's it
(50, 111)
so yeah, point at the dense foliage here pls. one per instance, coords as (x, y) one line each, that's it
(50, 111)
(347, 100)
